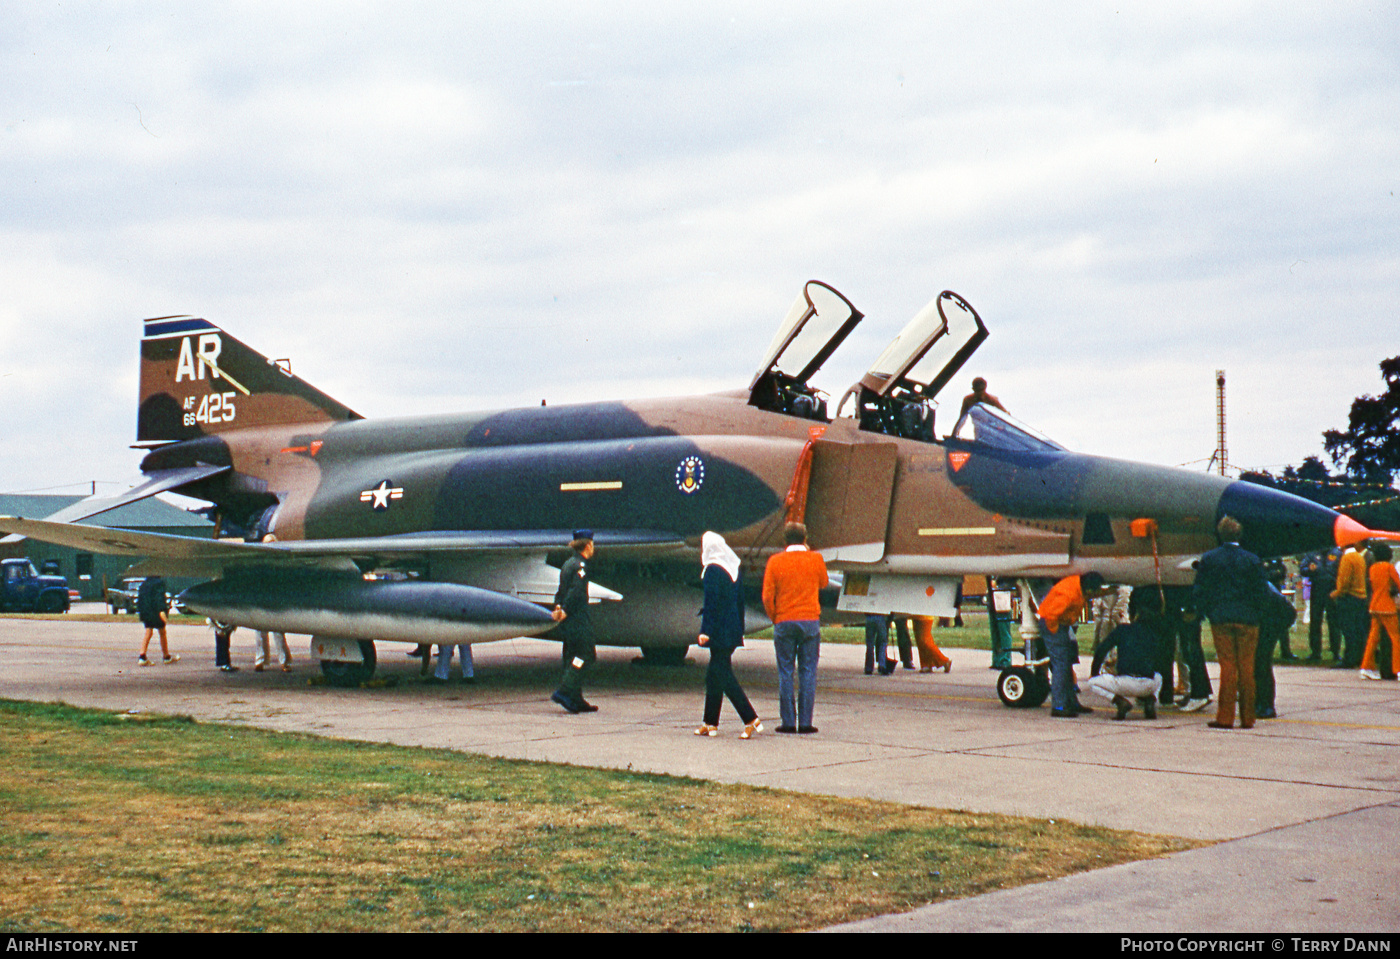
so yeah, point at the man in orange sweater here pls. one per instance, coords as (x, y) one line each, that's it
(1350, 596)
(791, 582)
(1059, 610)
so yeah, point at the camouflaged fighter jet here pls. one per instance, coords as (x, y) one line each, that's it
(449, 529)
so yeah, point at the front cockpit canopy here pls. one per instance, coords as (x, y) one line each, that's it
(895, 396)
(930, 349)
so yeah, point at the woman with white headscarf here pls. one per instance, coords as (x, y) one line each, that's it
(722, 632)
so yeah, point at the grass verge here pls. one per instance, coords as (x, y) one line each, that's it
(148, 823)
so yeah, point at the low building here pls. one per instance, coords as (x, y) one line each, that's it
(91, 573)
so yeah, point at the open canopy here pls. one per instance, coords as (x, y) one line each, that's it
(814, 327)
(930, 350)
(819, 320)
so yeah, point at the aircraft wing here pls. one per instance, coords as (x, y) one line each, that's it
(482, 541)
(188, 556)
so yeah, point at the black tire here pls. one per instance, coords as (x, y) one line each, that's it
(52, 603)
(1042, 686)
(663, 656)
(350, 675)
(1021, 688)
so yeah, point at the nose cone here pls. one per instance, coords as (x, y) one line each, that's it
(1278, 523)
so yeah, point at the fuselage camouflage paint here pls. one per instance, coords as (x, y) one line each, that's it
(713, 462)
(652, 476)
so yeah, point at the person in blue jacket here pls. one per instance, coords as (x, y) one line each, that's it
(722, 632)
(1229, 591)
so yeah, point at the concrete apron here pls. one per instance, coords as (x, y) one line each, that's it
(1307, 807)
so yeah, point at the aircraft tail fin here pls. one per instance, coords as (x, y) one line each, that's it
(197, 380)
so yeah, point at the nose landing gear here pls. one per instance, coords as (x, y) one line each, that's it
(1024, 687)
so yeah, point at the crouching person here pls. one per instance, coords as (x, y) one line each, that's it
(1137, 677)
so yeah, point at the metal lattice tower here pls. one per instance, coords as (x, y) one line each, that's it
(1220, 420)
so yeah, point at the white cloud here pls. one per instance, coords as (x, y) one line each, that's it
(435, 204)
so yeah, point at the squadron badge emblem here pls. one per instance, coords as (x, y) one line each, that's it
(690, 475)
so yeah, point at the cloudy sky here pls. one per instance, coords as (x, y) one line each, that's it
(443, 206)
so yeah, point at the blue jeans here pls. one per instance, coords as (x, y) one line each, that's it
(444, 663)
(877, 641)
(1063, 650)
(799, 643)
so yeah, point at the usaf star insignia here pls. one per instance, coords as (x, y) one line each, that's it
(690, 475)
(380, 495)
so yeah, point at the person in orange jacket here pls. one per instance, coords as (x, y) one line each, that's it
(1350, 597)
(1059, 610)
(791, 583)
(1385, 583)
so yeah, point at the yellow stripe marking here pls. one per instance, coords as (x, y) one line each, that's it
(236, 385)
(959, 531)
(575, 487)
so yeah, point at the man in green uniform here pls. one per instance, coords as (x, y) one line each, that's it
(571, 612)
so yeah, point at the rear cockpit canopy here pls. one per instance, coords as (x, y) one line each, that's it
(819, 320)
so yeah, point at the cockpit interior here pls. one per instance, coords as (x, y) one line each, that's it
(897, 395)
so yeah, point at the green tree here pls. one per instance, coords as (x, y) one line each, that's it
(1310, 469)
(1369, 447)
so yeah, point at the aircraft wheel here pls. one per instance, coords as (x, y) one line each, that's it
(1021, 688)
(350, 674)
(1042, 686)
(663, 655)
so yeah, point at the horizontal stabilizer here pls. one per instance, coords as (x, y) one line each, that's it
(169, 555)
(158, 482)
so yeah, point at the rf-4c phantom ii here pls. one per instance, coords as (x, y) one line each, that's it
(450, 529)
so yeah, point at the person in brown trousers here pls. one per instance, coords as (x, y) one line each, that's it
(1229, 591)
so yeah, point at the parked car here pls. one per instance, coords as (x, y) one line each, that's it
(24, 589)
(121, 598)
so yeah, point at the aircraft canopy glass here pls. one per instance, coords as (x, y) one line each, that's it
(814, 327)
(989, 425)
(930, 349)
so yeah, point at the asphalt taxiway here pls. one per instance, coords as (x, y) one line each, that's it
(1303, 811)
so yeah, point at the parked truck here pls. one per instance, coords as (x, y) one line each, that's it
(25, 589)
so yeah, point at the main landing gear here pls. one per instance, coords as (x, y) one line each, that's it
(662, 656)
(346, 672)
